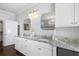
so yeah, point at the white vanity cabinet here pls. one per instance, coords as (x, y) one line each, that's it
(64, 13)
(21, 45)
(33, 48)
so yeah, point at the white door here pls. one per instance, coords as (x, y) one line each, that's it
(9, 32)
(64, 13)
(76, 14)
(10, 27)
(8, 40)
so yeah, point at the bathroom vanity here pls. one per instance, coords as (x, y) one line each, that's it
(31, 47)
(59, 46)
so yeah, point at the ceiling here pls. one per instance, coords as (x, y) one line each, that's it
(15, 7)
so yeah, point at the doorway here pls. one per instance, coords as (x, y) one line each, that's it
(1, 34)
(18, 30)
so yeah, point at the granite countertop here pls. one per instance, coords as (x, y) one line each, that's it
(38, 39)
(67, 43)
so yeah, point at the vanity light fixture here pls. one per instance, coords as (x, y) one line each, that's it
(34, 14)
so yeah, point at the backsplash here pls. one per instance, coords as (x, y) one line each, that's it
(70, 32)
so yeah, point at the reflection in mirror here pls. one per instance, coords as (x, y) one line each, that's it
(27, 24)
(48, 21)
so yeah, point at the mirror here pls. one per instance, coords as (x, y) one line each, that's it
(48, 21)
(27, 24)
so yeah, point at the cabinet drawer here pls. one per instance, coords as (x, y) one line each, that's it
(41, 51)
(40, 44)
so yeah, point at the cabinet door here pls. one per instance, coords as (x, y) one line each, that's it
(18, 44)
(27, 48)
(76, 14)
(23, 46)
(64, 14)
